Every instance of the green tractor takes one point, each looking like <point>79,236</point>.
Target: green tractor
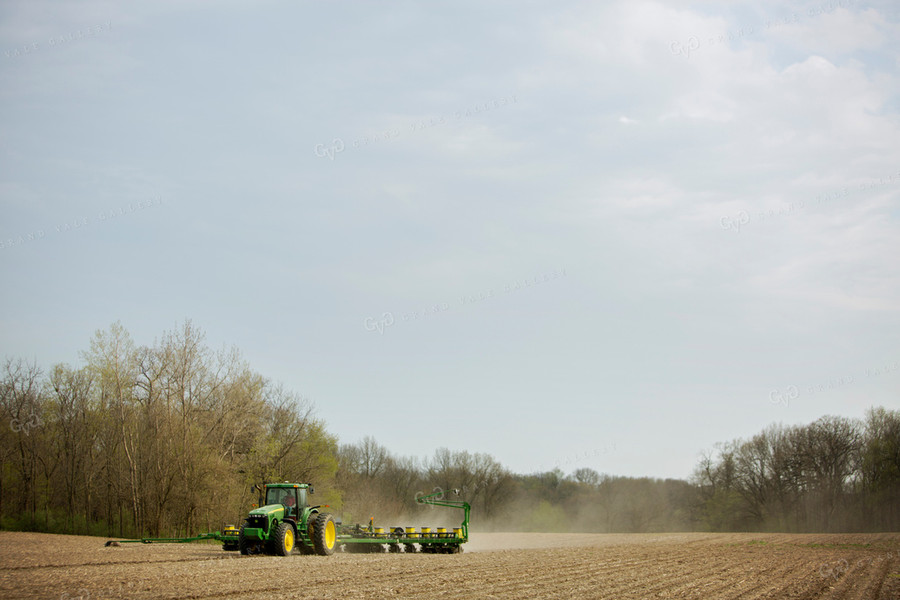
<point>285,520</point>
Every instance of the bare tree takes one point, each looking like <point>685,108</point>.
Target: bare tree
<point>21,402</point>
<point>586,476</point>
<point>74,435</point>
<point>828,447</point>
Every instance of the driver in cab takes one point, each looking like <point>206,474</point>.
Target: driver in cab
<point>288,501</point>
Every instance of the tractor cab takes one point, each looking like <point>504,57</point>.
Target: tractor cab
<point>293,498</point>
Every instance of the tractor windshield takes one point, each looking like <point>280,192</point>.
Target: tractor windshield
<point>285,496</point>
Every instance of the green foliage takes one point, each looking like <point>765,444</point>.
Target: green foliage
<point>546,517</point>
<point>722,511</point>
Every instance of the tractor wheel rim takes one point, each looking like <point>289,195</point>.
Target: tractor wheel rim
<point>329,534</point>
<point>289,540</point>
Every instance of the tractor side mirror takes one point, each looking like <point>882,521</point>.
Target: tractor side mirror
<point>311,489</point>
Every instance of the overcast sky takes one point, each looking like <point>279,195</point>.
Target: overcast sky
<point>568,234</point>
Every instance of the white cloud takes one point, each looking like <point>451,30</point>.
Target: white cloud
<point>839,32</point>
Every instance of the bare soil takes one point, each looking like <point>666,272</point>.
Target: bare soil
<point>494,565</point>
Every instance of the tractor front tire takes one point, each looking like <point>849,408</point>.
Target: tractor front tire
<point>284,539</point>
<point>243,544</point>
<point>324,534</point>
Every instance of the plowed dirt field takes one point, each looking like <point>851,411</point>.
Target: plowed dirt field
<point>494,565</point>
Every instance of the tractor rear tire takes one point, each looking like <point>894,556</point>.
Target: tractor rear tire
<point>324,534</point>
<point>284,539</point>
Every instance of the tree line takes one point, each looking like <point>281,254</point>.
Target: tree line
<point>834,474</point>
<point>149,440</point>
<point>168,439</point>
